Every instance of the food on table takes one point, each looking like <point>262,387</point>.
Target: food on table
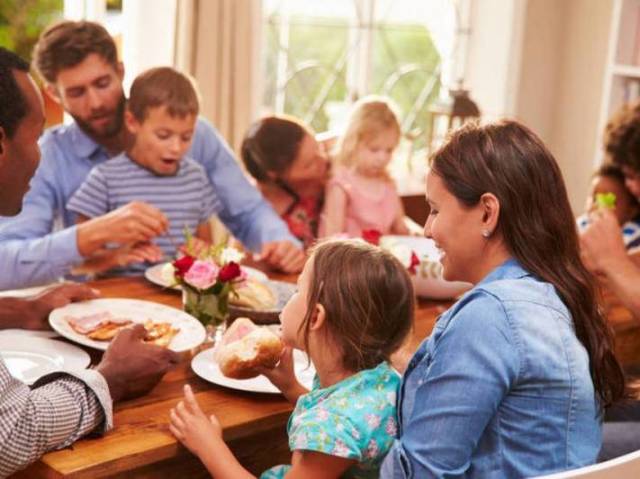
<point>100,326</point>
<point>246,347</point>
<point>253,294</point>
<point>103,327</point>
<point>159,333</point>
<point>606,200</point>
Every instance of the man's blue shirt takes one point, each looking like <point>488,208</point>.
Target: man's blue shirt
<point>39,245</point>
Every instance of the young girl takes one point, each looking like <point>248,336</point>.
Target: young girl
<point>354,307</point>
<point>291,169</point>
<point>361,195</point>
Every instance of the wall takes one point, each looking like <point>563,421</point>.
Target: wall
<point>494,44</point>
<point>560,85</point>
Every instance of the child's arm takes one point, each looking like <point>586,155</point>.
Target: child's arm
<point>203,437</point>
<point>311,465</point>
<point>284,378</point>
<point>335,209</point>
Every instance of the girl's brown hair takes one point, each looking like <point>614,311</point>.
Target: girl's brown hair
<point>271,145</point>
<point>368,298</point>
<point>536,224</point>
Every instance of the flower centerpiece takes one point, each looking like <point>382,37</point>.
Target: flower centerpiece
<point>207,276</point>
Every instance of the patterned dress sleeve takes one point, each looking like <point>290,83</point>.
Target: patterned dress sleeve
<point>325,431</point>
<point>59,410</point>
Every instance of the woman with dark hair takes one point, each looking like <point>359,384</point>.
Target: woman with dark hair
<point>513,379</point>
<point>291,170</point>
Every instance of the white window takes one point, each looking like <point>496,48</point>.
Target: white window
<point>319,57</point>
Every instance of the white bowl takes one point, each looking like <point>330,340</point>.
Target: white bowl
<point>427,281</point>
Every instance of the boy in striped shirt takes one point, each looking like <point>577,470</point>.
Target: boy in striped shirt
<point>161,116</point>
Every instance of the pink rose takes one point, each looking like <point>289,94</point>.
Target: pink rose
<point>202,274</point>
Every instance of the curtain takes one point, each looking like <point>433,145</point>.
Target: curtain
<point>218,42</point>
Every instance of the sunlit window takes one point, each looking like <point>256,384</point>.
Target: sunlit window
<point>319,57</point>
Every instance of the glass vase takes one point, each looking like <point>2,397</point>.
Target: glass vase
<point>208,308</point>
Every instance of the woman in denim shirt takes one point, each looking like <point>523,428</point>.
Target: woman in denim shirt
<point>513,378</point>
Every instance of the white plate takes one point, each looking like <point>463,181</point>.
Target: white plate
<point>21,293</point>
<point>205,366</point>
<point>31,358</point>
<point>154,275</point>
<point>427,281</point>
<point>191,334</point>
<point>28,333</point>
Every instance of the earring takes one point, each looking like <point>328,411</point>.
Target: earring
<point>486,233</point>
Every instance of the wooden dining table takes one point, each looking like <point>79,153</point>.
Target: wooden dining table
<point>141,445</point>
<point>254,424</point>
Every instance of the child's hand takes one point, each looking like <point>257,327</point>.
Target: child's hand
<point>192,427</point>
<point>283,376</point>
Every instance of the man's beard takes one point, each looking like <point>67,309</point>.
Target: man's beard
<point>111,129</point>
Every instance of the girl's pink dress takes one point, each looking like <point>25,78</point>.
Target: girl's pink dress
<point>365,210</point>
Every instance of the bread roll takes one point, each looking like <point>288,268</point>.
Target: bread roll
<point>246,347</point>
<point>255,295</point>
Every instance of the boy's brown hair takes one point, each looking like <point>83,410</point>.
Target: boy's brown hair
<point>368,298</point>
<point>163,86</point>
<point>67,44</point>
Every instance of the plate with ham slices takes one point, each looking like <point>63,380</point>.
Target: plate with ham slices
<point>94,323</point>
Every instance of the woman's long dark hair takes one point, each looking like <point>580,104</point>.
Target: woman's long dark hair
<point>536,224</point>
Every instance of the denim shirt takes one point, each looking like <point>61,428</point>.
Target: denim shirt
<point>39,245</point>
<point>500,389</point>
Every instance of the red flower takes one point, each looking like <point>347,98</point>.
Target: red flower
<point>371,236</point>
<point>182,265</point>
<point>415,261</point>
<point>229,271</point>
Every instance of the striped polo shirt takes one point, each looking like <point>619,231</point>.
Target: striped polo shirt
<point>186,198</point>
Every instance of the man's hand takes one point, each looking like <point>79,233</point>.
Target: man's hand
<point>136,222</point>
<point>602,247</point>
<point>132,367</point>
<point>36,308</point>
<point>105,260</point>
<point>282,255</point>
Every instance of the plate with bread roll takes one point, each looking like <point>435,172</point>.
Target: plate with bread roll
<point>261,301</point>
<point>244,350</point>
<point>96,322</point>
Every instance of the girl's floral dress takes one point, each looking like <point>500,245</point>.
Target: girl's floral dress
<point>354,419</point>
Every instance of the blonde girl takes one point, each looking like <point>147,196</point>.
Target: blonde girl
<point>353,309</point>
<point>361,195</point>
